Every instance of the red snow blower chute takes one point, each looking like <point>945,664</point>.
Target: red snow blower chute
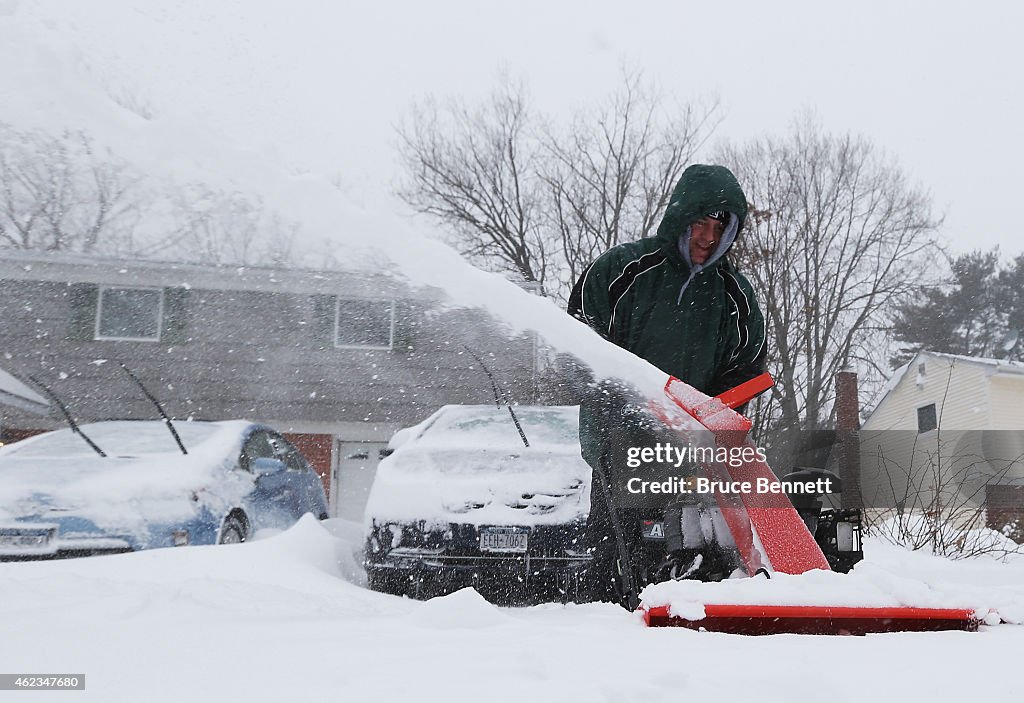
<point>769,535</point>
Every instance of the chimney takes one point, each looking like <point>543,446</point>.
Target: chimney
<point>848,436</point>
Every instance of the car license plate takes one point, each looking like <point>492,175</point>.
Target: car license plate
<point>504,539</point>
<point>26,538</point>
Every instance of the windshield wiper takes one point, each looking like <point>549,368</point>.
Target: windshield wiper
<point>71,421</point>
<point>159,408</point>
<point>497,401</point>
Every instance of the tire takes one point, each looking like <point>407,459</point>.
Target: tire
<point>232,531</point>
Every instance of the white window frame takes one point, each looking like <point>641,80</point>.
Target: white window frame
<point>391,327</point>
<point>159,315</point>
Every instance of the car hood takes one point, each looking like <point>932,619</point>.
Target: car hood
<point>481,487</point>
<point>122,493</point>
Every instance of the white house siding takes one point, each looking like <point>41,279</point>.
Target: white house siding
<point>899,465</point>
<point>978,402</point>
<point>1004,444</point>
<point>964,406</point>
<point>1007,396</point>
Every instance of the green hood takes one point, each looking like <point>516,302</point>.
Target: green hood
<point>701,190</point>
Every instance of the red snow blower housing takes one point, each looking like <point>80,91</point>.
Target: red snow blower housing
<point>770,537</point>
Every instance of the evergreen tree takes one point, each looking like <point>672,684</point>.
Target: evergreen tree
<point>1011,297</point>
<point>972,314</point>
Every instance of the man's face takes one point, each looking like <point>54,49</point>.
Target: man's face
<point>705,234</point>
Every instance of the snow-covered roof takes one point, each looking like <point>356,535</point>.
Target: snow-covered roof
<point>15,393</point>
<point>67,267</point>
<point>1000,365</point>
<point>894,380</point>
<point>70,267</point>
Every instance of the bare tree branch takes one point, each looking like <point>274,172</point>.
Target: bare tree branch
<point>836,239</point>
<point>542,203</point>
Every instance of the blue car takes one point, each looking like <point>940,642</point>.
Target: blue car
<point>60,498</point>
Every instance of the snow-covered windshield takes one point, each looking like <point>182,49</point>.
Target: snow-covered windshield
<point>118,438</point>
<point>491,427</point>
<point>469,464</point>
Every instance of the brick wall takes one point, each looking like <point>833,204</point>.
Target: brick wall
<point>317,449</point>
<point>10,434</point>
<point>1004,505</point>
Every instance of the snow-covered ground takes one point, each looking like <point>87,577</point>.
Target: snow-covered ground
<point>285,618</point>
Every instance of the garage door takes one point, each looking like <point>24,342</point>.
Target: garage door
<point>353,476</point>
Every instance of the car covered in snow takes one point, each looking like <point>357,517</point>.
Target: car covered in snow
<point>462,501</point>
<point>60,498</point>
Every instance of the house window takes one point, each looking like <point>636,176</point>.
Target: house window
<point>926,419</point>
<point>133,314</point>
<point>364,324</point>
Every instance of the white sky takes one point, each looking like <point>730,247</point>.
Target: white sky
<point>323,83</point>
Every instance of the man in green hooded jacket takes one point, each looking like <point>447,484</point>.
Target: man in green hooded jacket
<point>677,301</point>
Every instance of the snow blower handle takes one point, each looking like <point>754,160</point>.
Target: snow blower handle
<point>701,408</point>
<point>746,391</point>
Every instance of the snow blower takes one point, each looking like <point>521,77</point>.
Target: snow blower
<point>791,588</point>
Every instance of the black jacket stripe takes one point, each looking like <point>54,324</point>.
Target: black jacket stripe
<point>575,305</point>
<point>622,283</point>
<point>742,305</point>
